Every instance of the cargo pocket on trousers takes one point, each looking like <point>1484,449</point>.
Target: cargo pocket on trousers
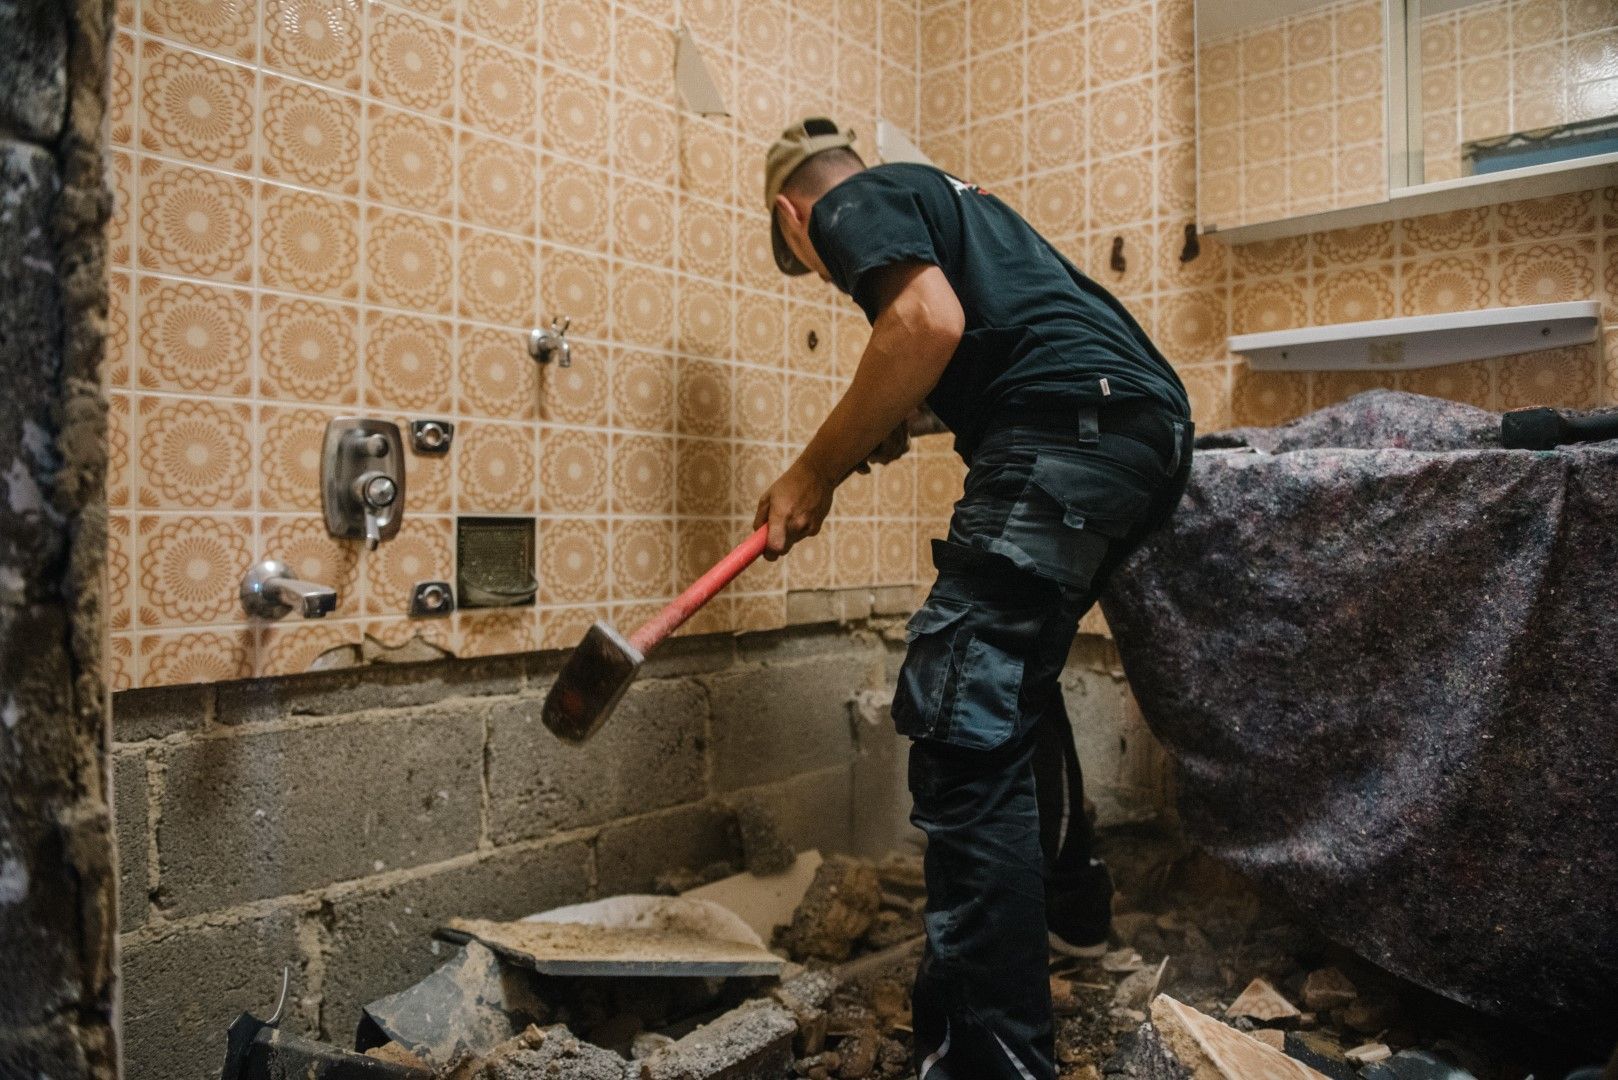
<point>1075,504</point>
<point>954,686</point>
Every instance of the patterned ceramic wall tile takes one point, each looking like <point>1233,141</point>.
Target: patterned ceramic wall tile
<point>193,338</point>
<point>327,207</point>
<point>223,28</point>
<point>315,39</point>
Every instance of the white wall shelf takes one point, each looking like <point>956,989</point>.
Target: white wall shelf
<point>1533,182</point>
<point>1419,341</point>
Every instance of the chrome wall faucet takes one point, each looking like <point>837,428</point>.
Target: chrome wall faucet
<point>363,479</point>
<point>269,591</point>
<point>550,343</point>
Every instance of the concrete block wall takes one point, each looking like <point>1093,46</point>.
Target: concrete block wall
<point>332,821</point>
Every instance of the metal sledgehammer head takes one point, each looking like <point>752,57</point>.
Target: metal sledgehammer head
<point>590,683</point>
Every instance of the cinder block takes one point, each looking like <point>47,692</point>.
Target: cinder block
<point>159,711</point>
<point>130,818</point>
<point>750,1042</point>
<point>778,720</point>
<point>630,855</point>
<point>266,814</point>
<point>893,600</point>
<point>808,606</point>
<point>380,940</point>
<point>374,686</point>
<point>854,605</point>
<point>182,990</point>
<point>648,755</point>
<point>694,655</point>
<point>814,810</point>
<point>802,642</point>
<point>880,777</point>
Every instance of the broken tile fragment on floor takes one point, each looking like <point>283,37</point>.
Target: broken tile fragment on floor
<point>1209,1050</point>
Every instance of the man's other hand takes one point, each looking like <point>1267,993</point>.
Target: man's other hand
<point>892,448</point>
<point>793,507</point>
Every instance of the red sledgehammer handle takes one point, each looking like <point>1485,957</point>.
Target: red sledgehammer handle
<point>685,605</point>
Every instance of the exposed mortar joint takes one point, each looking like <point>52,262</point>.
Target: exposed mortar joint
<point>485,797</point>
<point>155,776</point>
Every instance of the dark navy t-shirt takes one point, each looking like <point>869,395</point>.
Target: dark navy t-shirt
<point>1040,336</point>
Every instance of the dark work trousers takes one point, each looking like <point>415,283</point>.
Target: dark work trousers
<point>1048,512</point>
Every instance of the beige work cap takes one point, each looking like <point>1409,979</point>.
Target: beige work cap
<point>796,145</point>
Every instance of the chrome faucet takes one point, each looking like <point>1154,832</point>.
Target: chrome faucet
<point>269,591</point>
<point>550,343</point>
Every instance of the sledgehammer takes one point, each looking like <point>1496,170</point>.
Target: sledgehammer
<point>605,662</point>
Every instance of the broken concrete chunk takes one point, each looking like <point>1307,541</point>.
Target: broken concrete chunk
<point>890,928</point>
<point>1263,1003</point>
<point>1368,1054</point>
<point>648,1043</point>
<point>902,874</point>
<point>764,850</point>
<point>465,1008</point>
<point>857,1054</point>
<point>1326,989</point>
<point>1209,1050</point>
<point>1136,989</point>
<point>750,1042</point>
<point>838,909</point>
<point>548,1054</point>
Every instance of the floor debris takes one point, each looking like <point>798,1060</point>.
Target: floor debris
<point>466,1008</point>
<point>1205,981</point>
<point>1262,1002</point>
<point>764,850</point>
<point>838,909</point>
<point>1209,1050</point>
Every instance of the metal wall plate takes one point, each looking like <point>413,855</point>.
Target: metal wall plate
<point>431,436</point>
<point>363,479</point>
<point>432,600</point>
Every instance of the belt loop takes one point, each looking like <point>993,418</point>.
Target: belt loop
<point>1089,426</point>
<point>1179,447</point>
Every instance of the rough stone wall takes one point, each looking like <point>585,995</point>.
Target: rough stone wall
<point>56,860</point>
<point>331,821</point>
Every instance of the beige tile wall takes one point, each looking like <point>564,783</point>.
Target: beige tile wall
<point>1293,116</point>
<point>329,206</point>
<point>1502,66</point>
<point>325,208</point>
<point>1095,141</point>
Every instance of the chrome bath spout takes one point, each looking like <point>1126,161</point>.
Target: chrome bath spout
<point>269,591</point>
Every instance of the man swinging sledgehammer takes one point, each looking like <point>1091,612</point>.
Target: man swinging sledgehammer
<point>1077,439</point>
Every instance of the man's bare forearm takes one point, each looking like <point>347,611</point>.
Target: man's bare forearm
<point>911,344</point>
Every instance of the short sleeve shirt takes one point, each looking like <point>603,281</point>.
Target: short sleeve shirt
<point>1040,336</point>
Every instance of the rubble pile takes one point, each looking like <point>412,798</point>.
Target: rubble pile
<point>1205,980</point>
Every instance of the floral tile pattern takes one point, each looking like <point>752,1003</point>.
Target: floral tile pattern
<point>339,207</point>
